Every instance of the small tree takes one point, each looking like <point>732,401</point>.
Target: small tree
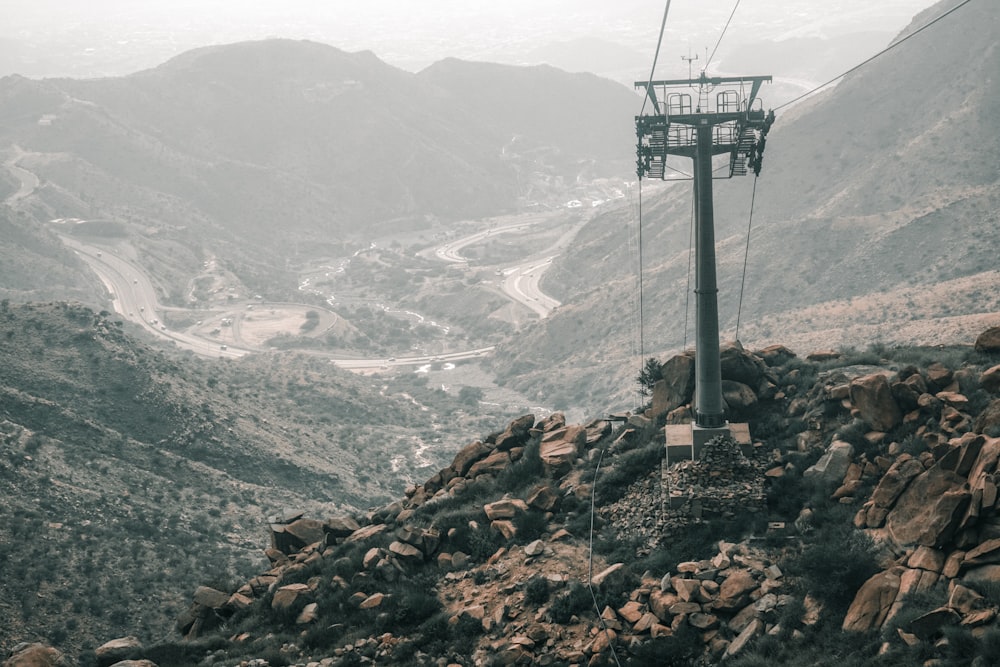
<point>651,373</point>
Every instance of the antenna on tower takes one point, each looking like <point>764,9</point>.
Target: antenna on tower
<point>689,59</point>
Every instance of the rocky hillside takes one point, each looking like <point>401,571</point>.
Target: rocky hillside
<point>859,527</point>
<point>126,473</point>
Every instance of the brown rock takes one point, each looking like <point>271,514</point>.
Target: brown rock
<point>989,340</point>
<point>660,602</point>
<point>686,588</point>
<point>733,591</point>
<point>939,375</point>
<point>495,463</point>
<point>990,379</point>
<point>516,433</point>
<point>209,597</point>
<point>632,611</point>
<point>117,650</point>
<point>406,552</point>
<point>367,532</point>
<point>754,628</point>
<point>286,596</point>
<point>873,398</point>
<point>308,614</point>
<point>340,527</point>
<point>35,655</point>
<point>560,448</point>
<point>986,553</point>
<point>305,532</point>
<point>873,601</point>
<point>467,456</point>
<point>646,623</point>
<point>505,528</point>
<point>738,396</point>
<point>929,625</point>
<point>677,386</point>
<point>506,508</point>
<point>372,601</point>
<point>612,576</point>
<point>703,621</point>
<point>926,558</point>
<point>543,498</point>
<point>929,509</point>
<point>988,421</point>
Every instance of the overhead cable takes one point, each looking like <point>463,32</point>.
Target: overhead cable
<point>880,53</point>
<point>656,55</point>
<point>726,27</point>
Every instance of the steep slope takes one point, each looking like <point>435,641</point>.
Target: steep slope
<point>126,473</point>
<point>859,528</point>
<point>883,184</point>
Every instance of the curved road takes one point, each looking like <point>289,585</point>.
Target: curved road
<point>520,282</point>
<point>135,300</point>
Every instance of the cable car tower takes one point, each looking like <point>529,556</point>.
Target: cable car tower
<point>699,119</point>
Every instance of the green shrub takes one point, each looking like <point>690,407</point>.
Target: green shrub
<point>536,591</point>
<point>571,602</point>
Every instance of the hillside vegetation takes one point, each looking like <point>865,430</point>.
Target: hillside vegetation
<point>128,472</point>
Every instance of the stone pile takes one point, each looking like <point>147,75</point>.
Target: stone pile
<point>722,483</point>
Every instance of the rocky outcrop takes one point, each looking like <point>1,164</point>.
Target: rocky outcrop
<point>989,340</point>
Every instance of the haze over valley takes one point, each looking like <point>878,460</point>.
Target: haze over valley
<point>275,262</point>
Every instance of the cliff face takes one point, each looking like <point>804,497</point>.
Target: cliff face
<point>545,543</point>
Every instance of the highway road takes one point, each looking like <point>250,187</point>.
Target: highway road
<point>134,299</point>
<point>521,282</point>
<point>28,181</point>
<point>451,251</point>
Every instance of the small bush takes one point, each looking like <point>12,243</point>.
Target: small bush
<point>571,602</point>
<point>536,591</point>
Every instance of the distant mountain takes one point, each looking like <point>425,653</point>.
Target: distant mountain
<point>292,144</point>
<point>874,197</point>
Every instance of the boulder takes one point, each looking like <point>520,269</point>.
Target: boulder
<point>208,597</point>
<point>754,628</point>
<point>677,386</point>
<point>873,601</point>
<point>560,448</point>
<point>305,532</point>
<point>738,396</point>
<point>35,655</point>
<point>340,526</point>
<point>469,455</point>
<point>543,498</point>
<point>929,510</point>
<point>775,355</point>
<point>990,379</point>
<point>286,596</point>
<point>505,508</point>
<point>406,552</point>
<point>928,625</point>
<point>988,421</point>
<point>117,650</point>
<point>494,463</point>
<point>833,465</point>
<point>734,590</point>
<point>873,398</point>
<point>989,340</point>
<point>738,365</point>
<point>516,433</point>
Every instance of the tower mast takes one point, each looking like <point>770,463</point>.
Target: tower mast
<point>730,122</point>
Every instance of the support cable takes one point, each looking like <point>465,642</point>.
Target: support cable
<point>880,53</point>
<point>656,55</point>
<point>733,13</point>
<point>590,565</point>
<point>687,288</point>
<point>642,332</point>
<point>746,254</point>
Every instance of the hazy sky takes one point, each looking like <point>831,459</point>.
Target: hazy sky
<point>114,37</point>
